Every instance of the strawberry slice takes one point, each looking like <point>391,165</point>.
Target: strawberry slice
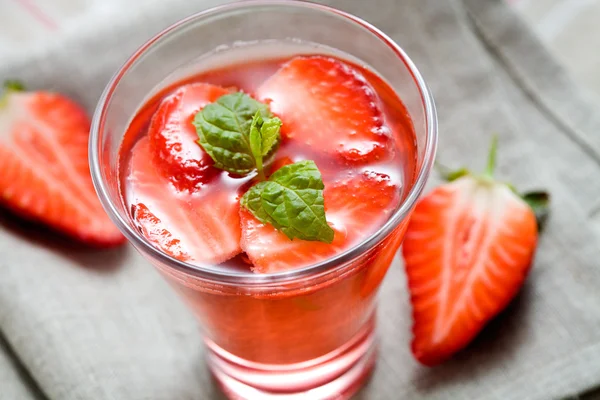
<point>323,101</point>
<point>156,232</point>
<point>173,138</point>
<point>201,227</point>
<point>467,250</point>
<point>279,163</point>
<point>44,162</point>
<point>355,207</point>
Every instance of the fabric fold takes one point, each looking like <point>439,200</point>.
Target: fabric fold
<point>15,383</point>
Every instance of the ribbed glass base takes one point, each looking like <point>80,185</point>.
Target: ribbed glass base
<point>337,375</point>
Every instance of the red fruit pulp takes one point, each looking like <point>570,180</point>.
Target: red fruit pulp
<point>258,327</point>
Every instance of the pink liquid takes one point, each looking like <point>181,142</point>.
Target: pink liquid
<point>305,325</point>
<point>248,77</point>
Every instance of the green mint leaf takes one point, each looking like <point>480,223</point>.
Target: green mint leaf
<point>256,143</point>
<point>270,135</point>
<point>13,85</point>
<point>224,131</point>
<point>264,139</point>
<point>292,201</point>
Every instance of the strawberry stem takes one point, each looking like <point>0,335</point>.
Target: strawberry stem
<point>491,162</point>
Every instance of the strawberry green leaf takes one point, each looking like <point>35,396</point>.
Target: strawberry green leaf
<point>454,175</point>
<point>449,174</point>
<point>540,204</point>
<point>13,85</point>
<point>292,201</point>
<point>224,131</point>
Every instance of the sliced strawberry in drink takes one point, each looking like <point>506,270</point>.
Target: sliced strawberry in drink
<point>279,163</point>
<point>354,208</point>
<point>327,104</point>
<point>173,138</point>
<point>202,227</point>
<point>270,250</point>
<point>156,232</point>
<point>44,170</point>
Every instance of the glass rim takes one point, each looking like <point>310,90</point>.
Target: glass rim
<point>328,265</point>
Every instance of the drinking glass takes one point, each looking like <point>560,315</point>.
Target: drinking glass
<point>305,333</point>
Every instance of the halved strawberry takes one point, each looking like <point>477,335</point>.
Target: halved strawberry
<point>203,226</point>
<point>45,174</point>
<point>355,207</point>
<point>173,138</point>
<point>326,103</point>
<point>468,248</point>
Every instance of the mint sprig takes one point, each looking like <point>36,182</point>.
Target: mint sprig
<point>264,139</point>
<point>240,134</point>
<point>292,201</point>
<point>224,128</point>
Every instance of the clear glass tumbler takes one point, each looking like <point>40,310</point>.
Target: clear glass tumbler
<point>306,333</point>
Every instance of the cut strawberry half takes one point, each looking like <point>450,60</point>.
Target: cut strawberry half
<point>173,137</point>
<point>201,227</point>
<point>355,208</point>
<point>326,103</point>
<point>467,250</point>
<point>44,162</point>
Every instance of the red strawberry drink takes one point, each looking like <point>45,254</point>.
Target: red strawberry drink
<point>267,185</point>
<point>351,150</point>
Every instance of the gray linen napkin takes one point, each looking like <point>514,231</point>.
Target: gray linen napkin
<point>103,325</point>
<point>15,382</point>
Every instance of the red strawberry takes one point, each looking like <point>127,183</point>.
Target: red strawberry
<point>174,139</point>
<point>203,226</point>
<point>355,208</point>
<point>468,248</point>
<point>324,102</point>
<point>156,232</point>
<point>44,162</point>
<point>279,163</point>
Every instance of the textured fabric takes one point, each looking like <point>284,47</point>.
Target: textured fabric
<point>14,380</point>
<point>570,29</point>
<point>104,325</point>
